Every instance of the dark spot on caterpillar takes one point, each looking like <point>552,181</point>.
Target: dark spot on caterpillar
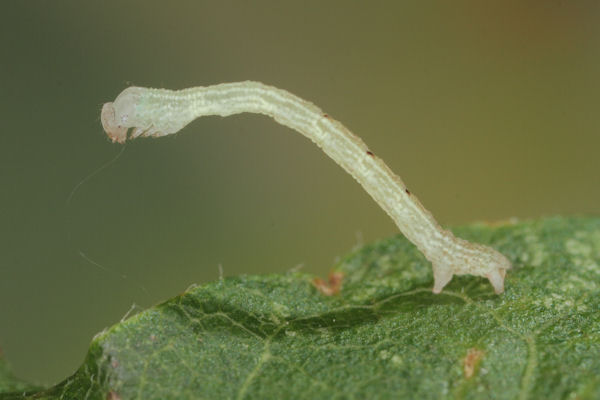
<point>325,115</point>
<point>407,191</point>
<point>369,153</point>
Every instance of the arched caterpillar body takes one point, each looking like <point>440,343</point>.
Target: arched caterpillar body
<point>160,112</point>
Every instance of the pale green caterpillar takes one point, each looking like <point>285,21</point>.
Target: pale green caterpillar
<point>160,112</point>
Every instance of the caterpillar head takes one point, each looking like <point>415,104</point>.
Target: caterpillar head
<point>119,116</point>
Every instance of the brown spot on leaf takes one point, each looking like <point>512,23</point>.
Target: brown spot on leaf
<point>325,115</point>
<point>370,153</point>
<point>332,286</point>
<point>407,191</point>
<point>112,395</point>
<point>471,361</point>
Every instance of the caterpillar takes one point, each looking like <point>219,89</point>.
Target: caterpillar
<point>141,111</point>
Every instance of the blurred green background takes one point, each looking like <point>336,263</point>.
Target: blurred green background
<point>488,110</point>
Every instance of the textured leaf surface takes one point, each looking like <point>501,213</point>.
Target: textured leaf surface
<point>385,336</point>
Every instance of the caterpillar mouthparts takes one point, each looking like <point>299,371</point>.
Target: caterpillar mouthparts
<point>114,131</point>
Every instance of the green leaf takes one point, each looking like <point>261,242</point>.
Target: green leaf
<point>385,336</point>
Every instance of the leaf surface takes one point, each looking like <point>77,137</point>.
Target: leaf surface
<point>384,336</point>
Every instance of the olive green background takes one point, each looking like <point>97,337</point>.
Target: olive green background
<point>488,110</point>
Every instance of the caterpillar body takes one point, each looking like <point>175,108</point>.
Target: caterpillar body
<point>141,111</point>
